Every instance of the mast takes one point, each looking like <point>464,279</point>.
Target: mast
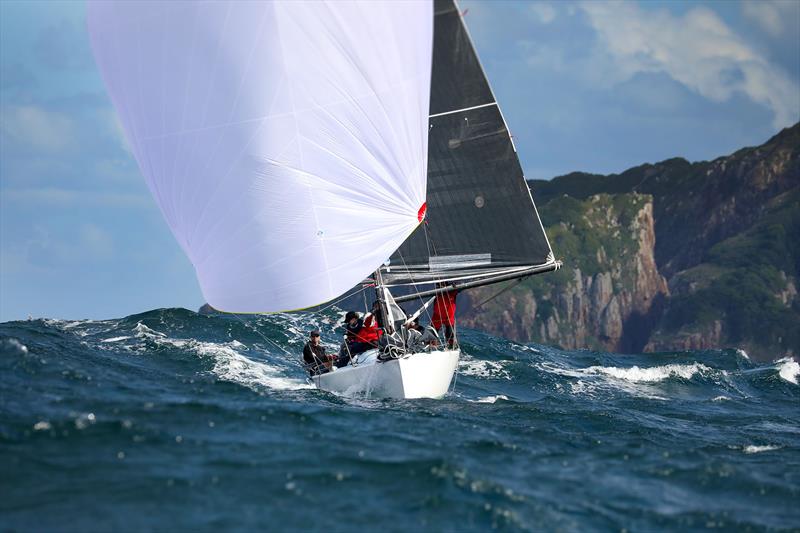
<point>380,296</point>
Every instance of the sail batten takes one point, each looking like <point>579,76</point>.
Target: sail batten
<point>459,110</point>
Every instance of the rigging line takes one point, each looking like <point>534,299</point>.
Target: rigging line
<point>422,301</point>
<point>427,240</point>
<point>346,296</point>
<point>498,293</point>
<point>455,378</point>
<point>284,350</point>
<point>432,243</point>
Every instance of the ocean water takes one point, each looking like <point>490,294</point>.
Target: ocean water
<point>172,420</point>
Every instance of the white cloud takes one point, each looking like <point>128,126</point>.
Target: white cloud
<point>45,130</point>
<point>543,11</point>
<point>769,15</point>
<point>697,49</point>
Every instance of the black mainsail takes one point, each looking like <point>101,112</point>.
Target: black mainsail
<point>481,222</point>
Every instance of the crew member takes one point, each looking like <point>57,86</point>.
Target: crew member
<point>444,314</point>
<point>361,335</point>
<point>420,339</point>
<point>314,356</point>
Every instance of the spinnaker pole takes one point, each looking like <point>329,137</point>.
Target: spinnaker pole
<point>540,269</point>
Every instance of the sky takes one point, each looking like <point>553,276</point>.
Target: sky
<point>591,86</point>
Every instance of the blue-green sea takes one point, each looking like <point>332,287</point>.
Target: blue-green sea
<point>173,421</point>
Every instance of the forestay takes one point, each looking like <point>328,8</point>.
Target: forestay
<point>481,219</point>
<point>284,142</point>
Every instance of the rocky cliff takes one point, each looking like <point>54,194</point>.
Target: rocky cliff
<point>666,256</point>
<point>607,295</point>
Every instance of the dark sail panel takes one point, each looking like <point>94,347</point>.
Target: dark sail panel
<point>480,218</point>
<point>454,83</point>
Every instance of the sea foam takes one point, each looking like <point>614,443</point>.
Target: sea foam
<point>482,369</point>
<point>635,380</point>
<point>229,364</point>
<point>751,448</point>
<point>654,374</point>
<point>788,369</point>
<point>491,399</point>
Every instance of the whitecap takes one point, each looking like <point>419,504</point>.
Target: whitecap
<point>491,399</point>
<point>751,448</point>
<point>720,399</point>
<point>653,374</point>
<point>632,380</point>
<point>143,331</point>
<point>116,339</point>
<point>788,369</point>
<point>482,369</point>
<point>42,425</point>
<point>69,325</point>
<point>742,353</point>
<point>230,365</point>
<point>632,374</point>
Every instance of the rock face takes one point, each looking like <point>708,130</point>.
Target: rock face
<point>606,302</point>
<point>669,256</point>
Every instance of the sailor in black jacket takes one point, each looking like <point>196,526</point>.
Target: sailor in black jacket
<point>314,356</point>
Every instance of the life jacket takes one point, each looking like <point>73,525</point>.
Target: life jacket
<point>444,309</point>
<point>369,332</point>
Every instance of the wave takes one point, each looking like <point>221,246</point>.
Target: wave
<point>229,364</point>
<point>218,405</point>
<point>788,369</point>
<point>655,374</point>
<point>263,352</point>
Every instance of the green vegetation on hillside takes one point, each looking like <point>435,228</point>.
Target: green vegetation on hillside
<point>741,281</point>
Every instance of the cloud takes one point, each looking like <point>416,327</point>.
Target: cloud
<point>543,12</point>
<point>697,49</point>
<point>769,15</point>
<point>49,131</point>
<point>63,46</point>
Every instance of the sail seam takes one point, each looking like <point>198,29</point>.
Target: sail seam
<point>462,109</point>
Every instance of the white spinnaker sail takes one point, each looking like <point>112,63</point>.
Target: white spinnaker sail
<point>285,142</point>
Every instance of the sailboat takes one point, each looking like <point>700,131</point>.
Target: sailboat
<point>298,149</point>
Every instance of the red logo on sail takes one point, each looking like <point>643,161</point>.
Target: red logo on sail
<point>422,210</point>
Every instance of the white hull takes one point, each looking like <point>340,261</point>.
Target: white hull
<point>418,375</point>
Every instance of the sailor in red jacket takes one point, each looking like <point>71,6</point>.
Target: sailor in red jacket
<point>444,315</point>
<point>361,335</point>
